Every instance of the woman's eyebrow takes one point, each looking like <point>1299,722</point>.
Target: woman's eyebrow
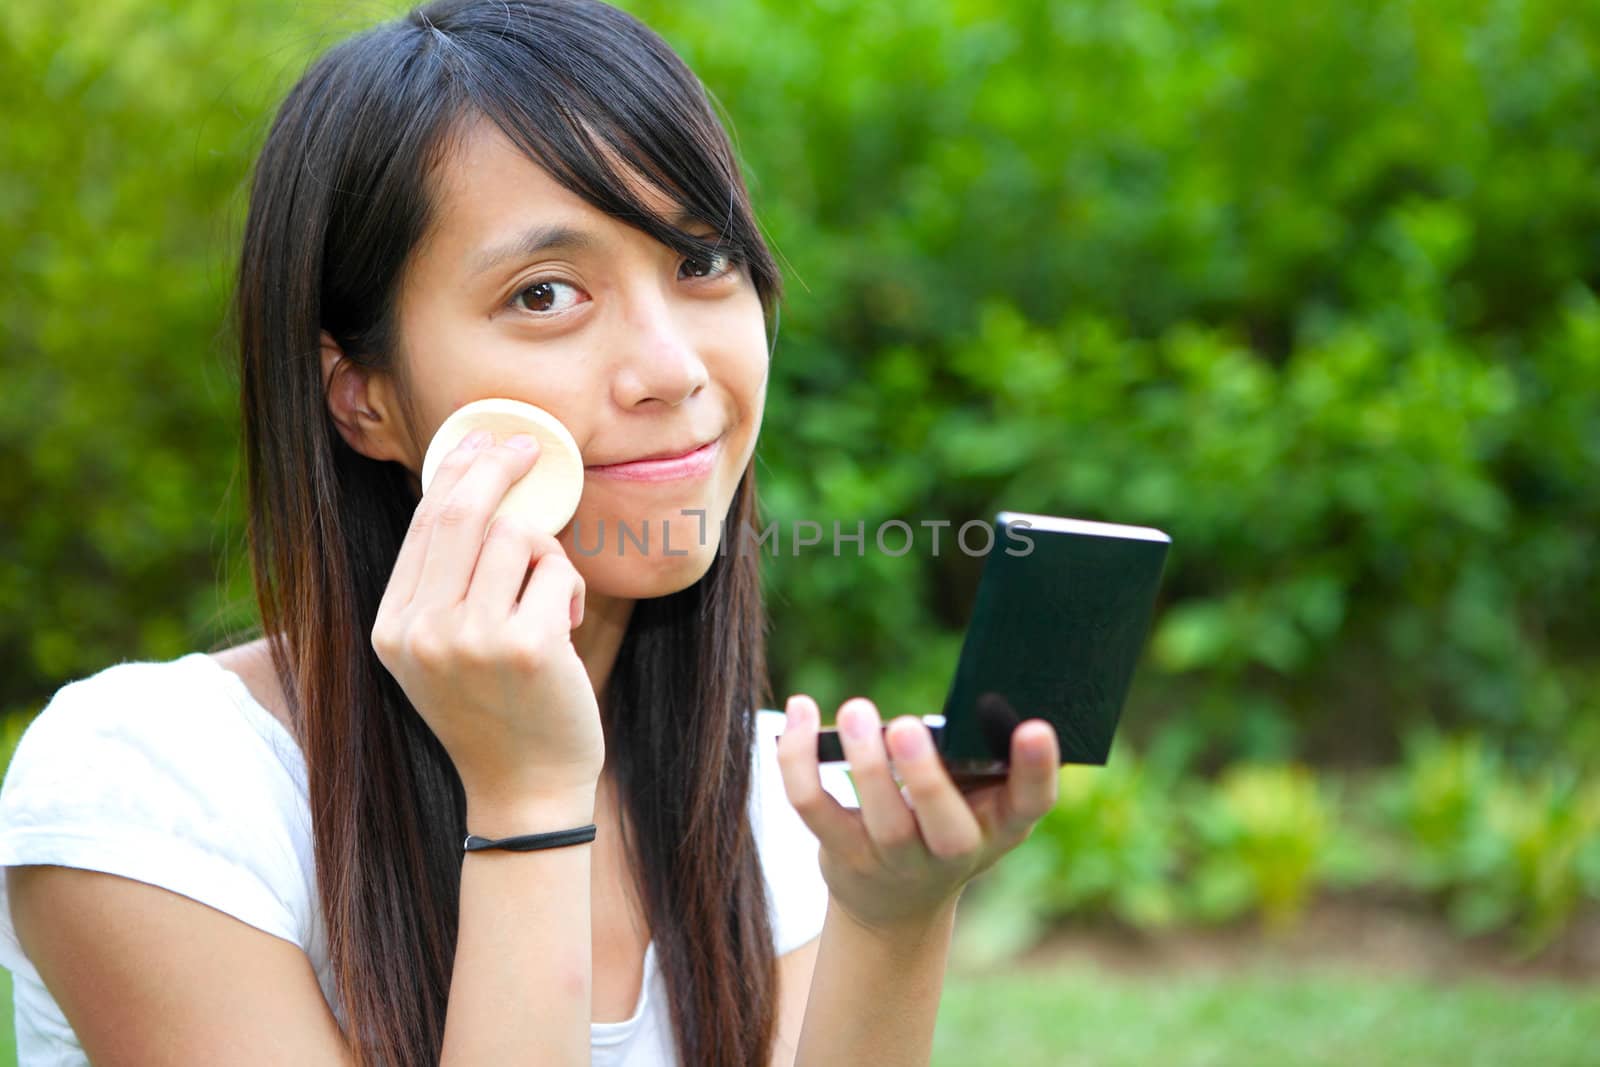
<point>552,237</point>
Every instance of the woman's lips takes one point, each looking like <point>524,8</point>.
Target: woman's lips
<point>695,464</point>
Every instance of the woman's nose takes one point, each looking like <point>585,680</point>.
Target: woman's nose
<point>660,361</point>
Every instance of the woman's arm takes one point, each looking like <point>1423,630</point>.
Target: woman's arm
<point>521,987</point>
<point>895,869</point>
<point>874,997</point>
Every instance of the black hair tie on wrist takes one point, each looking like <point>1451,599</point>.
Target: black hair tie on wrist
<point>528,842</point>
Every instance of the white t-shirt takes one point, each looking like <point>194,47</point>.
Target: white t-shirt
<point>171,773</point>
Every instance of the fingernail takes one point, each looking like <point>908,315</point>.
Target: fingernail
<point>908,742</point>
<point>523,442</point>
<point>1039,751</point>
<point>853,722</point>
<point>476,440</point>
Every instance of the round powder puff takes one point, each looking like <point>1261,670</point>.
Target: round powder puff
<point>547,496</point>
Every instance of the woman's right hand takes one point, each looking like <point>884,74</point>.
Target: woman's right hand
<point>496,678</point>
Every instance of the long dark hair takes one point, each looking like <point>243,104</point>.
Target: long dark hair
<point>340,197</point>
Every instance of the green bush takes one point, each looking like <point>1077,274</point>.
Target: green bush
<point>1439,801</point>
<point>1261,832</point>
<point>1108,849</point>
<point>1309,285</point>
<point>1496,848</point>
<point>1114,837</point>
<point>1551,828</point>
<point>1150,843</point>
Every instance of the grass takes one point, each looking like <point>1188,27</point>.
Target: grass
<point>1081,1016</point>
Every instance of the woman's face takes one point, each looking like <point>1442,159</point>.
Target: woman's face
<point>638,350</point>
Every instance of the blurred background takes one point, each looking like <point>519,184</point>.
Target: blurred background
<point>1310,286</point>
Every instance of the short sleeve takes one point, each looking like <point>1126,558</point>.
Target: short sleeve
<point>796,892</point>
<point>140,771</point>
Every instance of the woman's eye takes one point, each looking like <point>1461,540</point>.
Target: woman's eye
<point>544,297</point>
<point>719,264</point>
<point>541,298</point>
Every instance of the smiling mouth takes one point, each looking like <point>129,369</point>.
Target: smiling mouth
<point>694,463</point>
<point>658,456</point>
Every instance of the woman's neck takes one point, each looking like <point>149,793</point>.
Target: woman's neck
<point>599,638</point>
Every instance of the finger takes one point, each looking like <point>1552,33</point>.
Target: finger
<point>889,822</point>
<point>464,516</point>
<point>503,564</point>
<point>1035,776</point>
<point>414,548</point>
<point>947,824</point>
<point>837,828</point>
<point>1031,787</point>
<point>555,588</point>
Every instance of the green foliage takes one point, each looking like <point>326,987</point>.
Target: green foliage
<point>1551,830</point>
<point>1148,844</point>
<point>1108,848</point>
<point>1498,848</point>
<point>12,727</point>
<point>1114,840</point>
<point>1308,285</point>
<point>128,141</point>
<point>1439,799</point>
<point>1262,832</point>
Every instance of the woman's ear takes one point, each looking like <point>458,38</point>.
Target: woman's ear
<point>364,406</point>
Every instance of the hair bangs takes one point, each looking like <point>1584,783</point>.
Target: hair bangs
<point>571,93</point>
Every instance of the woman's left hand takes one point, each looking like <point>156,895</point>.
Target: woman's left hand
<point>901,860</point>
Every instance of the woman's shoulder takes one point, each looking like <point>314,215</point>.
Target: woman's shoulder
<point>189,714</point>
<point>158,739</point>
<point>250,665</point>
<point>156,771</point>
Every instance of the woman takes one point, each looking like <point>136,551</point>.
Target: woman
<point>530,200</point>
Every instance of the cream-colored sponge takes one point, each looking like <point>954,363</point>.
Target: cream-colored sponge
<point>547,496</point>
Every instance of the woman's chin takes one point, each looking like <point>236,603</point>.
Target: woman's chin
<point>646,558</point>
<point>640,576</point>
